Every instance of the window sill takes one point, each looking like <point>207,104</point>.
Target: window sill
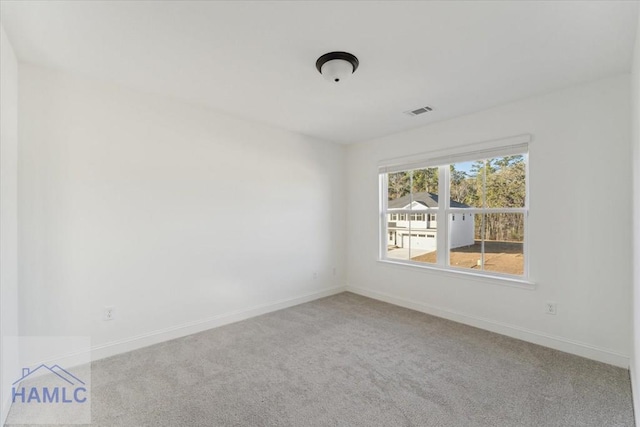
<point>513,282</point>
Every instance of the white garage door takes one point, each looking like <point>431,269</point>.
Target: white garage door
<point>420,241</point>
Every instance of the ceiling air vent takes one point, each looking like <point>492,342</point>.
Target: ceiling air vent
<point>418,111</point>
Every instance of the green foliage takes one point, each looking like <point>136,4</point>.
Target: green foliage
<point>425,180</point>
<point>415,181</point>
<point>498,183</point>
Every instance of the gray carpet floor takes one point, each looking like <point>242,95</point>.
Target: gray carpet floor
<point>347,360</point>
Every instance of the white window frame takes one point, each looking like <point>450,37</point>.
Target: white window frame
<point>442,159</point>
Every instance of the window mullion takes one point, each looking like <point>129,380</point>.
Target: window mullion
<point>483,229</point>
<point>442,254</point>
<point>383,229</point>
<point>525,245</point>
<point>410,222</point>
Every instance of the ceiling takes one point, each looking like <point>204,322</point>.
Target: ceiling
<point>256,60</point>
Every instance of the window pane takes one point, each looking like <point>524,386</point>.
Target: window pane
<point>398,185</point>
<point>466,184</point>
<point>503,243</point>
<point>397,246</point>
<point>423,238</point>
<point>497,242</point>
<point>465,241</point>
<point>424,186</point>
<point>505,187</point>
<point>397,224</point>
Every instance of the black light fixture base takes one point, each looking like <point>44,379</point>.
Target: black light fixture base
<point>337,55</point>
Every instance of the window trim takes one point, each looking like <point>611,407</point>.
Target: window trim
<point>462,153</point>
<point>488,149</point>
<point>456,272</point>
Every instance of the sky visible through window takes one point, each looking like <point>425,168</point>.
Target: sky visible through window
<point>464,167</point>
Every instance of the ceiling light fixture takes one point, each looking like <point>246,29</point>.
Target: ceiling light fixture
<point>337,66</point>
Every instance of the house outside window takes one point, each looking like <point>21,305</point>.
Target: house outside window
<point>485,188</point>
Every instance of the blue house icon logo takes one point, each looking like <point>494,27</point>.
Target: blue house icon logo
<point>70,389</point>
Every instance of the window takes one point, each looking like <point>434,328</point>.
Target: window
<point>485,188</point>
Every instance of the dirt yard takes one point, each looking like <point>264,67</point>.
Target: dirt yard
<point>503,257</point>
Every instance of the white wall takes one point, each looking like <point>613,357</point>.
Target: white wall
<point>179,217</point>
<point>580,182</point>
<point>9,363</point>
<point>635,141</point>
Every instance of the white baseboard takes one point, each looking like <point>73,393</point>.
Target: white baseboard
<point>6,405</point>
<point>158,336</point>
<point>635,392</point>
<point>558,343</point>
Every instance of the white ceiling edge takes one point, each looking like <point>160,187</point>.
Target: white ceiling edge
<point>241,59</point>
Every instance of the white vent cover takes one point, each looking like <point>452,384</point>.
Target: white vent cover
<point>418,111</point>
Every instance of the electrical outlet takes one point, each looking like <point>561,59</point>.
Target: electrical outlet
<point>109,313</point>
<point>315,275</point>
<point>551,308</point>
